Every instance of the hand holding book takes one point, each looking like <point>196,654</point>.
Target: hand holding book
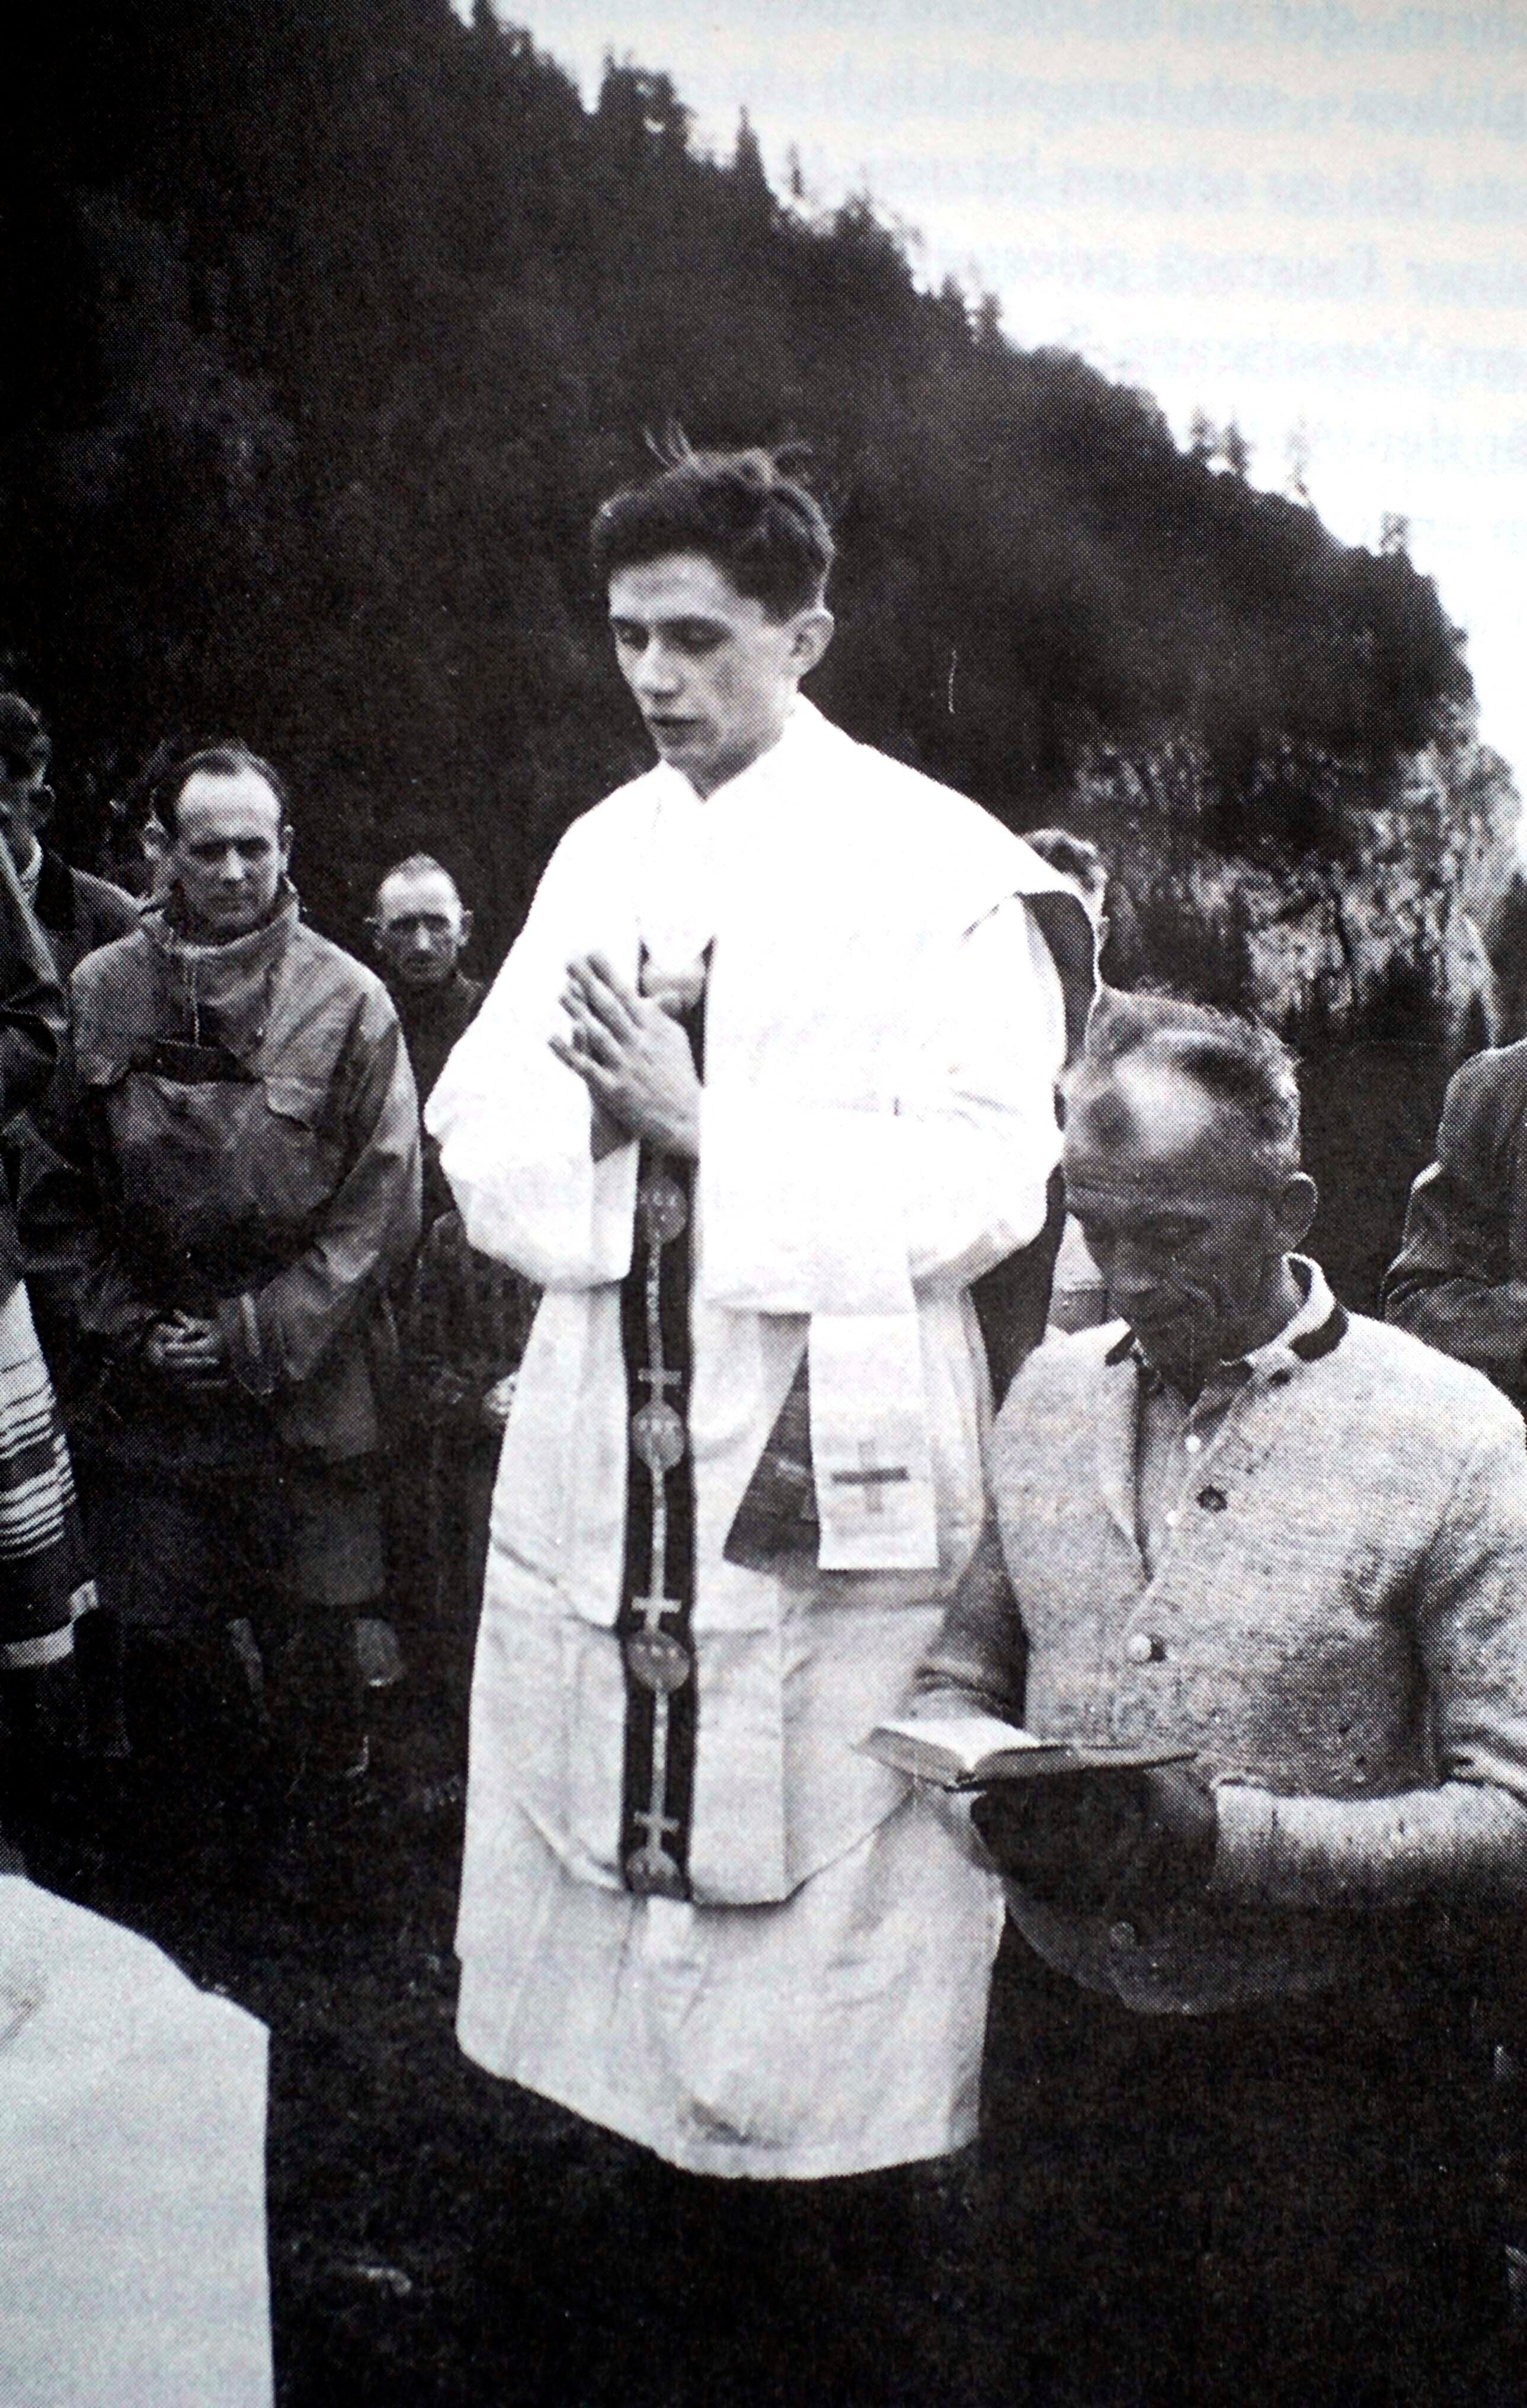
<point>1106,1839</point>
<point>1087,1827</point>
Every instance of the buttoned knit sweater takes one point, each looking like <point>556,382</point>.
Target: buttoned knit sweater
<point>1336,1625</point>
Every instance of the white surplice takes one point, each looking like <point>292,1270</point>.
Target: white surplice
<point>883,1029</point>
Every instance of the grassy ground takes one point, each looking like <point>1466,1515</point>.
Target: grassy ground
<point>441,2240</point>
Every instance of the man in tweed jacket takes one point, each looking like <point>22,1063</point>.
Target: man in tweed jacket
<point>1296,1544</point>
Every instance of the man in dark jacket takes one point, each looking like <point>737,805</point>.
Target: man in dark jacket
<point>213,1208</point>
<point>77,912</point>
<point>420,928</point>
<point>419,931</point>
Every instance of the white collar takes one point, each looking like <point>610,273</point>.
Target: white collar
<point>28,879</point>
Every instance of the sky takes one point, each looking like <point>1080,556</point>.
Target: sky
<point>1308,216</point>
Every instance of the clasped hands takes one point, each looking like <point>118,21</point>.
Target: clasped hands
<point>633,1057</point>
<point>1099,1841</point>
<point>188,1350</point>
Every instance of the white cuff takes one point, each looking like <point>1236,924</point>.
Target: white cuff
<point>30,1655</point>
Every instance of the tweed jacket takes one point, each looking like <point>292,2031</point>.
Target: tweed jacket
<point>1459,1279</point>
<point>1337,1627</point>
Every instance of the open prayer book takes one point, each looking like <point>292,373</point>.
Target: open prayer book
<point>968,1751</point>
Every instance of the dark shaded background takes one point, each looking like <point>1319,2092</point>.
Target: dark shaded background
<point>328,328</point>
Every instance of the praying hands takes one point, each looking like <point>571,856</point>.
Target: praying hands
<point>187,1349</point>
<point>634,1059</point>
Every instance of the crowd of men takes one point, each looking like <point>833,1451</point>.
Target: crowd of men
<point>220,1195</point>
<point>766,1086</point>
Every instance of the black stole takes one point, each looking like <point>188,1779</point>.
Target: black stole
<point>657,1589</point>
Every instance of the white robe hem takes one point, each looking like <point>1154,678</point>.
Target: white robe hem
<point>737,2160</point>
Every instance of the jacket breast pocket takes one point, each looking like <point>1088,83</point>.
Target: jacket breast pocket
<point>296,1095</point>
<point>292,1158</point>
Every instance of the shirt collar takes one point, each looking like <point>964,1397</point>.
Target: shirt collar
<point>1318,1324</point>
<point>27,878</point>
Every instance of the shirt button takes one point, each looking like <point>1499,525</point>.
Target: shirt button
<point>1192,1442</point>
<point>1171,1520</point>
<point>1122,1936</point>
<point>1141,1647</point>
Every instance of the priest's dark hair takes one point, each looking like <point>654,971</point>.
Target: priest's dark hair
<point>738,509</point>
<point>1234,1060</point>
<point>229,759</point>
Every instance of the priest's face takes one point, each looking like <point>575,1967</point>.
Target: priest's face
<point>713,674</point>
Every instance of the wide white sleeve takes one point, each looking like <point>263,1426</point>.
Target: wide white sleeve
<point>818,1208</point>
<point>512,1122</point>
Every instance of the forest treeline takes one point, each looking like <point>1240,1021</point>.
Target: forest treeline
<point>329,325</point>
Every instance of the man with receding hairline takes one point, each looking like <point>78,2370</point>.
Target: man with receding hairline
<point>213,1207</point>
<point>1293,1544</point>
<point>419,929</point>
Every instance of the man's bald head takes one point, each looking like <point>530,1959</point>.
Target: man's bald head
<point>1170,1077</point>
<point>1181,1160</point>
